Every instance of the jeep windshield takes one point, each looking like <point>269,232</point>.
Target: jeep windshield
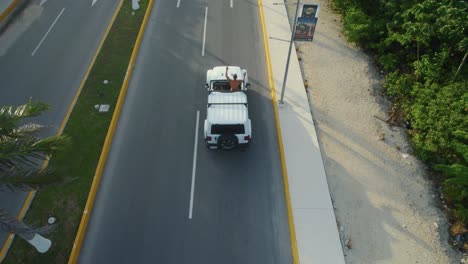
<point>227,129</point>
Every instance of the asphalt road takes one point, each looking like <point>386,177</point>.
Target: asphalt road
<point>141,213</point>
<point>53,74</point>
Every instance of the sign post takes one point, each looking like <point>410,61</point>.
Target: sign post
<point>303,29</point>
<point>281,101</point>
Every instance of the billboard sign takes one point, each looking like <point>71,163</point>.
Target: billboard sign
<point>306,23</point>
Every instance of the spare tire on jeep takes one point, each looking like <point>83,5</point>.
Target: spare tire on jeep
<point>228,141</point>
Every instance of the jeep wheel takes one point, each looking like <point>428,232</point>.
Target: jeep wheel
<point>228,141</point>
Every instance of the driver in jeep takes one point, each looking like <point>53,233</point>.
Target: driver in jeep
<point>234,83</point>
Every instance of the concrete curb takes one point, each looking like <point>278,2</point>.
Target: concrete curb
<point>108,141</point>
<point>10,12</point>
<point>9,9</point>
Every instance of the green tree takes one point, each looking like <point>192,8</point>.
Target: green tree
<point>423,45</point>
<point>456,182</point>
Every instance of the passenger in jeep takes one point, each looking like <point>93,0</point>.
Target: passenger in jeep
<point>235,84</point>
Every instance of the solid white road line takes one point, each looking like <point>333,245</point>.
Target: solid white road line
<point>194,166</point>
<point>232,4</point>
<point>94,1</point>
<point>178,3</point>
<point>42,2</point>
<point>204,32</point>
<point>43,38</point>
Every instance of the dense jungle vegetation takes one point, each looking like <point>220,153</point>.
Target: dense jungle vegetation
<point>422,46</point>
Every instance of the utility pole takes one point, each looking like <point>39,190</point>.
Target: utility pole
<point>281,101</point>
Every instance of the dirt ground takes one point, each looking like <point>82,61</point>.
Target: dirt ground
<point>383,201</point>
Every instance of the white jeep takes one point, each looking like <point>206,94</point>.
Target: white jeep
<point>227,123</point>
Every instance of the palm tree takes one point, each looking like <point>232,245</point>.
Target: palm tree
<point>21,153</point>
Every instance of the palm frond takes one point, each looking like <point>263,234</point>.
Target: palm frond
<point>28,150</point>
<point>20,151</point>
<point>11,224</point>
<point>50,145</point>
<point>29,129</point>
<point>24,179</point>
<point>31,108</point>
<point>11,115</point>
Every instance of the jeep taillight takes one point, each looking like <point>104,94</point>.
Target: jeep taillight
<point>208,138</point>
<point>246,137</point>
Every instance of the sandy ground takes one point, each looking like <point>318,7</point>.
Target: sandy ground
<point>383,200</point>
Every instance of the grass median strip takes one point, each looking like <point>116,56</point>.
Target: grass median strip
<point>87,128</point>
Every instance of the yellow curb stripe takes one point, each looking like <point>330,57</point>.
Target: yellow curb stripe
<point>8,10</point>
<point>292,229</point>
<point>31,194</point>
<point>107,144</point>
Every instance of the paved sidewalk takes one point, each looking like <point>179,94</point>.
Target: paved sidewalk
<point>314,219</point>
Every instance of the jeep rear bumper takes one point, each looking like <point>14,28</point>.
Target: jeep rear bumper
<point>239,146</point>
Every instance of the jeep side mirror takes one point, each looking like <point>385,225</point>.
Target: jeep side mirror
<point>207,86</point>
<point>247,85</point>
